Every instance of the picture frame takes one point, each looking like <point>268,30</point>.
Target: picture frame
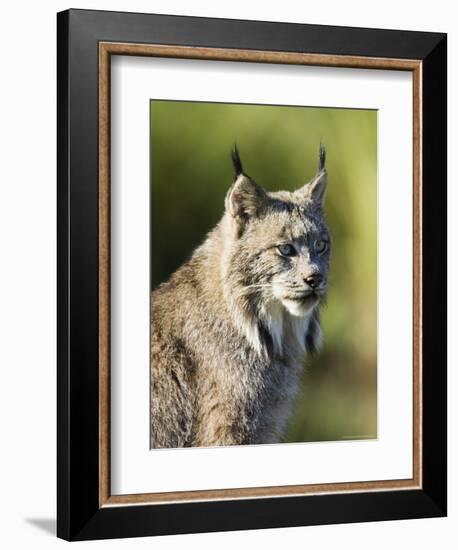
<point>86,42</point>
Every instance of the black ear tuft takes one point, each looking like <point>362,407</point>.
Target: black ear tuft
<point>322,156</point>
<point>236,161</point>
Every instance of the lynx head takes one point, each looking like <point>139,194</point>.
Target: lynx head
<point>280,244</point>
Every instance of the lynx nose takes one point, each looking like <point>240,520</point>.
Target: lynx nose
<point>314,280</point>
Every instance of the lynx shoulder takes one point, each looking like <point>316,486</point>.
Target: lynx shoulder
<point>231,327</point>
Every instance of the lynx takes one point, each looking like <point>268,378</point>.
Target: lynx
<point>231,327</point>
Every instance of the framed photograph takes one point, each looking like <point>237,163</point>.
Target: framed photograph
<point>251,274</point>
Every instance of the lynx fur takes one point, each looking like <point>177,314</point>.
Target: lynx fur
<point>231,327</point>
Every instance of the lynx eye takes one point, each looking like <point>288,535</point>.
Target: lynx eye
<point>320,246</point>
<point>286,250</point>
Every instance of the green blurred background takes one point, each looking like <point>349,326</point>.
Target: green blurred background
<point>191,172</point>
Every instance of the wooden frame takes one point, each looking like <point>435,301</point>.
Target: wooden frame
<point>84,350</point>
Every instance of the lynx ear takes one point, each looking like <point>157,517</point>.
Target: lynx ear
<point>245,198</point>
<point>314,190</point>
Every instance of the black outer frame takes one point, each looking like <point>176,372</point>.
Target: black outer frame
<point>78,514</point>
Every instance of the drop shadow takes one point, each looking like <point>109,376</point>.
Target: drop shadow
<point>48,525</point>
